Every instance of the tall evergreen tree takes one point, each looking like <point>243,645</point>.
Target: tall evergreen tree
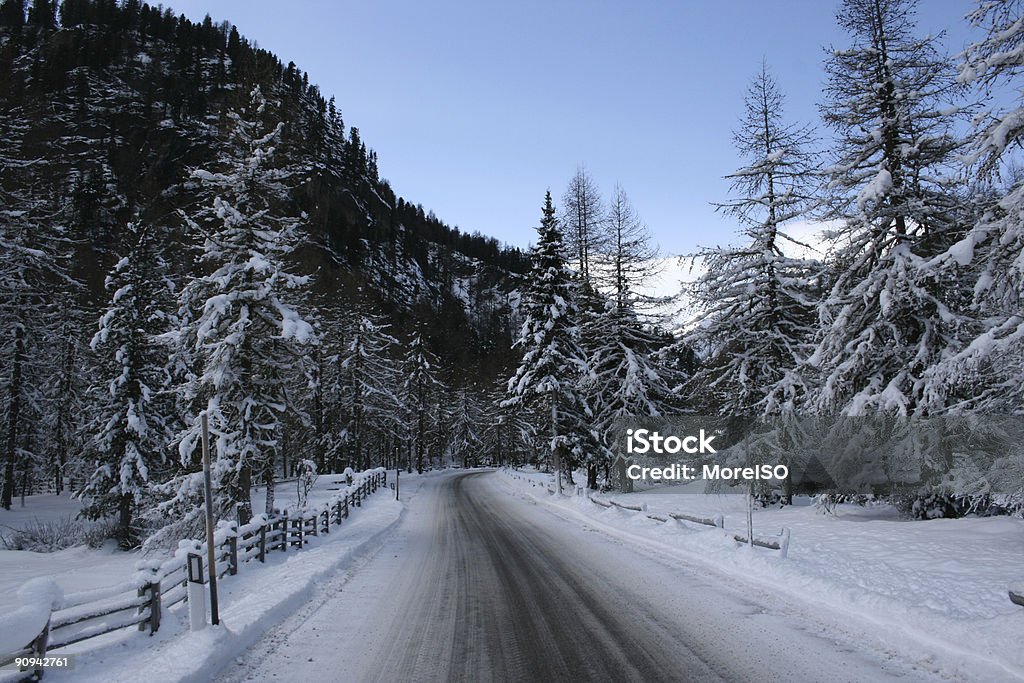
<point>370,401</point>
<point>885,320</point>
<point>548,376</point>
<point>626,378</point>
<point>985,373</point>
<point>240,323</point>
<point>420,387</point>
<point>132,430</point>
<point>583,220</point>
<point>755,303</point>
<point>33,265</point>
<point>627,258</point>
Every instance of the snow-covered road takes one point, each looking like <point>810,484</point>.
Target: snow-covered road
<point>476,584</point>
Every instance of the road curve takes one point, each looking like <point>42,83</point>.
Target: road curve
<point>478,585</point>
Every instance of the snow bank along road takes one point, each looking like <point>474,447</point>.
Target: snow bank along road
<point>476,584</point>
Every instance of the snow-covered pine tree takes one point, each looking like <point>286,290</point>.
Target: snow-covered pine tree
<point>984,374</point>
<point>420,389</point>
<point>755,303</point>
<point>240,324</point>
<point>885,319</point>
<point>34,250</point>
<point>583,218</point>
<point>132,431</point>
<point>70,400</point>
<point>508,436</point>
<point>626,378</point>
<point>548,377</point>
<point>467,422</point>
<point>369,402</point>
<point>988,64</point>
<point>627,258</point>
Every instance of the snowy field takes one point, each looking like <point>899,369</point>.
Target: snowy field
<point>74,569</point>
<point>938,582</point>
<point>259,595</point>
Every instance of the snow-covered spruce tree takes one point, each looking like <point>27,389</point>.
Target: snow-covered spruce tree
<point>369,400</point>
<point>132,433</point>
<point>626,378</point>
<point>34,250</point>
<point>240,325</point>
<point>984,374</point>
<point>627,258</point>
<point>420,388</point>
<point>467,420</point>
<point>71,408</point>
<point>885,318</point>
<point>583,218</point>
<point>548,377</point>
<point>755,303</point>
<point>508,435</point>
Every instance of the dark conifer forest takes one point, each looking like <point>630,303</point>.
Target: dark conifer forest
<point>189,226</point>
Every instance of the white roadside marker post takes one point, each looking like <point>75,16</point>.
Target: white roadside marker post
<point>196,593</point>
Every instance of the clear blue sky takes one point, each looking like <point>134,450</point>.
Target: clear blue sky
<point>476,107</point>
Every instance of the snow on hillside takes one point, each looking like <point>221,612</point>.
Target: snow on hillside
<point>939,581</point>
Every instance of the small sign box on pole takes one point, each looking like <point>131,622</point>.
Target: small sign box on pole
<point>196,592</point>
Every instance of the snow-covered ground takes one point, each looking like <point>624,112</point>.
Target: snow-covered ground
<point>259,595</point>
<point>74,569</point>
<point>863,589</point>
<point>938,582</point>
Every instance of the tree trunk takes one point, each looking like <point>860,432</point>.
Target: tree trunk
<point>124,522</point>
<point>269,480</point>
<point>14,408</point>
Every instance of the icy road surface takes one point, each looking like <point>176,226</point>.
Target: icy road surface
<point>476,584</point>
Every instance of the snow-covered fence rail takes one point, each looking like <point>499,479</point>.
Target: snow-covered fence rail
<point>780,542</point>
<point>633,508</point>
<point>48,620</point>
<point>717,520</point>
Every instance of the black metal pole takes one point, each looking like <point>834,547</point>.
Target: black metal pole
<point>211,554</point>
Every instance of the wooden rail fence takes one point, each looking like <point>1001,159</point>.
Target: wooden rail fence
<point>780,542</point>
<point>161,585</point>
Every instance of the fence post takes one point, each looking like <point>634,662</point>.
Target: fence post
<point>338,519</point>
<point>155,607</point>
<point>39,646</point>
<point>346,505</point>
<point>263,542</point>
<point>327,520</point>
<point>152,587</point>
<point>233,550</point>
<point>784,543</point>
<point>284,530</point>
<point>316,524</point>
<point>301,522</point>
